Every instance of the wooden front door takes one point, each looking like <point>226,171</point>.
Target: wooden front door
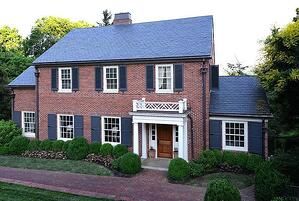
<point>164,141</point>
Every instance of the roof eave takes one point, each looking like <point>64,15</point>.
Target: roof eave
<point>19,86</point>
<point>264,116</point>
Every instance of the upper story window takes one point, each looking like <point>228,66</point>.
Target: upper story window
<point>111,132</point>
<point>234,135</point>
<point>164,78</point>
<point>65,80</point>
<point>65,127</point>
<point>111,79</point>
<point>28,124</point>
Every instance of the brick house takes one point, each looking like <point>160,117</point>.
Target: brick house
<point>151,86</point>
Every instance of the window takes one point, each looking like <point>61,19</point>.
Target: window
<point>176,134</point>
<point>28,124</point>
<point>65,79</point>
<point>153,131</point>
<point>164,78</point>
<point>65,127</point>
<point>235,135</point>
<point>111,130</point>
<point>111,79</point>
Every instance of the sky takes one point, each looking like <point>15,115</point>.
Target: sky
<point>239,26</point>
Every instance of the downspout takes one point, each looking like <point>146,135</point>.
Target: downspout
<point>192,134</point>
<point>203,71</point>
<point>37,103</point>
<point>13,95</point>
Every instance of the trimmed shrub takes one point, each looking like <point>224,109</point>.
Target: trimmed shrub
<point>219,155</point>
<point>269,183</point>
<point>284,199</point>
<point>208,158</point>
<point>34,145</point>
<point>106,149</point>
<point>8,130</point>
<point>253,162</point>
<point>241,159</point>
<point>66,145</point>
<point>119,150</point>
<point>229,157</point>
<point>46,145</point>
<point>178,170</point>
<point>18,145</point>
<point>129,163</point>
<point>4,150</point>
<point>196,169</point>
<point>77,149</point>
<point>222,189</point>
<point>95,148</point>
<point>57,145</point>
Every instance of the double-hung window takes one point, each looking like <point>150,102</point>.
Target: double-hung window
<point>235,135</point>
<point>65,127</point>
<point>28,124</point>
<point>111,79</point>
<point>164,78</point>
<point>111,131</point>
<point>65,80</point>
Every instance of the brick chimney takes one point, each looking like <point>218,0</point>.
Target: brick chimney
<point>122,18</point>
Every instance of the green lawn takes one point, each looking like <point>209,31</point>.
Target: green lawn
<point>54,165</point>
<point>239,180</point>
<point>13,192</point>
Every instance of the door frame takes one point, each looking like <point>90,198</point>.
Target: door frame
<point>171,138</point>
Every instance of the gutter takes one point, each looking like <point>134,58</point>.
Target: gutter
<point>203,72</point>
<point>241,115</point>
<point>37,104</point>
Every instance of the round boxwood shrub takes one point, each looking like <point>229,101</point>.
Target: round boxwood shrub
<point>209,159</point>
<point>18,145</point>
<point>178,170</point>
<point>34,145</point>
<point>4,150</point>
<point>196,169</point>
<point>46,145</point>
<point>241,159</point>
<point>77,149</point>
<point>57,146</point>
<point>222,189</point>
<point>230,158</point>
<point>95,148</point>
<point>8,130</point>
<point>129,163</point>
<point>119,150</point>
<point>66,145</point>
<point>106,149</point>
<point>253,162</point>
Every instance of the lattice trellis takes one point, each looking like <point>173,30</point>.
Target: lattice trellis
<point>158,106</point>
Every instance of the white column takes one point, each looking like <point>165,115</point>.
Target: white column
<point>144,141</point>
<point>181,141</point>
<point>135,139</point>
<point>185,140</point>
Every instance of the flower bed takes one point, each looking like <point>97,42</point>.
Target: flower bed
<point>45,154</point>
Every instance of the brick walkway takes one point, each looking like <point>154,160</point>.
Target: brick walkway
<point>148,185</point>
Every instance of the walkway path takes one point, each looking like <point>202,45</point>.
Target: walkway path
<point>146,186</point>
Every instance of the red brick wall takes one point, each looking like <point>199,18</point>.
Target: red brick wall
<point>24,99</point>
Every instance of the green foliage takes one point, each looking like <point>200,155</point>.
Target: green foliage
<point>253,162</point>
<point>18,145</point>
<point>178,170</point>
<point>119,150</point>
<point>236,69</point>
<point>210,158</point>
<point>46,145</point>
<point>95,148</point>
<point>241,159</point>
<point>222,190</point>
<point>106,149</point>
<point>10,39</point>
<point>77,149</point>
<point>129,163</point>
<point>57,145</point>
<point>229,157</point>
<point>196,169</point>
<point>269,183</point>
<point>284,199</point>
<point>66,146</point>
<point>4,150</point>
<point>34,145</point>
<point>8,130</point>
<point>107,16</point>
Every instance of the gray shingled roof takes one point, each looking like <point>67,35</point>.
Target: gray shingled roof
<point>188,37</point>
<point>239,95</point>
<point>26,79</point>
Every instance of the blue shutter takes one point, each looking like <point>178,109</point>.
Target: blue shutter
<point>52,126</point>
<point>54,79</point>
<point>126,131</point>
<point>178,77</point>
<point>255,137</point>
<point>215,134</point>
<point>122,78</point>
<point>78,125</point>
<point>17,118</point>
<point>95,129</point>
<point>75,79</point>
<point>150,77</point>
<point>99,78</point>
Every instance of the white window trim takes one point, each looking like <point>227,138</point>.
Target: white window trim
<point>60,81</point>
<point>233,148</point>
<point>58,127</point>
<point>103,130</point>
<point>27,134</point>
<point>157,82</point>
<point>105,90</point>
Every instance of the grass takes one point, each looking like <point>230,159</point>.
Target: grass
<point>13,192</point>
<point>239,180</point>
<point>81,167</point>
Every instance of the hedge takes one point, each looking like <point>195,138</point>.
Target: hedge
<point>8,131</point>
<point>222,189</point>
<point>18,145</point>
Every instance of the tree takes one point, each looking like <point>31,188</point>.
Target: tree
<point>10,39</point>
<point>297,15</point>
<point>4,97</point>
<point>47,31</point>
<point>236,69</point>
<point>107,16</point>
<point>279,75</point>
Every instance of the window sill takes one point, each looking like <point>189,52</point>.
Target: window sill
<point>112,143</point>
<point>65,139</point>
<point>64,92</point>
<point>110,92</point>
<point>228,148</point>
<point>30,135</point>
<point>164,92</point>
